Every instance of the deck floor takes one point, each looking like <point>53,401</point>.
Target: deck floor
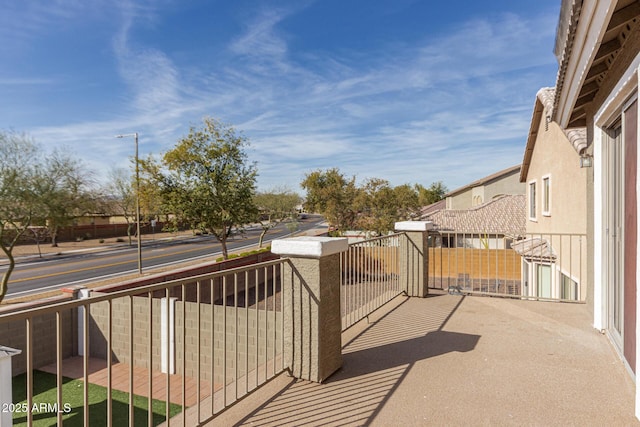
<point>455,360</point>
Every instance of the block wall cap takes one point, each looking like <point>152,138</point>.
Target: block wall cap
<point>8,352</point>
<point>309,246</point>
<point>414,226</point>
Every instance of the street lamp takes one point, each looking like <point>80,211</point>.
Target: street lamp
<point>135,135</point>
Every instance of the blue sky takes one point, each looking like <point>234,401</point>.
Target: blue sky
<point>408,91</point>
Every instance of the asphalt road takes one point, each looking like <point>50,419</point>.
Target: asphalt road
<point>39,275</point>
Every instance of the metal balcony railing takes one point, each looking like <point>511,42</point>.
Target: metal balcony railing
<point>547,266</point>
<point>370,276</point>
<point>207,340</point>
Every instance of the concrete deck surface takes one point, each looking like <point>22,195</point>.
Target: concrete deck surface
<point>454,360</point>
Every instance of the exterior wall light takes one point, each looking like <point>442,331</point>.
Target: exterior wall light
<point>586,160</point>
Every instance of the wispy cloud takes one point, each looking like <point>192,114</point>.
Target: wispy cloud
<point>260,38</point>
<point>452,108</point>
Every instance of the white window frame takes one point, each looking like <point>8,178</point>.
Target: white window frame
<point>537,278</point>
<point>560,280</point>
<point>532,199</point>
<point>531,277</point>
<point>546,195</point>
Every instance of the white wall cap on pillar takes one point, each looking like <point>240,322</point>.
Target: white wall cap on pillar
<point>8,352</point>
<point>414,226</point>
<point>309,246</point>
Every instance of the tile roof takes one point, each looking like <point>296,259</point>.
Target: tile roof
<point>577,137</point>
<point>534,249</point>
<point>503,215</point>
<point>433,207</point>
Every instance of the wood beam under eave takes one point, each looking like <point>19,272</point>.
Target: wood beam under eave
<point>607,49</point>
<point>578,116</point>
<point>583,100</point>
<point>577,122</point>
<point>589,88</point>
<point>623,16</point>
<point>597,70</point>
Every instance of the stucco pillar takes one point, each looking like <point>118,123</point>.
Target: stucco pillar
<point>6,397</point>
<point>312,320</point>
<point>414,257</point>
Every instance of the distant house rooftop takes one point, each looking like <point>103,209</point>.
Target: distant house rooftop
<point>433,207</point>
<point>503,215</point>
<point>486,180</point>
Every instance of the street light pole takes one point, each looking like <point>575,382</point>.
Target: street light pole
<point>135,135</point>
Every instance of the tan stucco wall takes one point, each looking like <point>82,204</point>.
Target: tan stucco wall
<point>509,184</point>
<point>555,157</point>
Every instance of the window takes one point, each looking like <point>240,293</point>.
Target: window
<point>525,277</point>
<point>569,288</point>
<point>543,280</point>
<point>546,196</point>
<point>532,200</point>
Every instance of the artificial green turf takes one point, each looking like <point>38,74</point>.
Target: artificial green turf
<point>44,392</point>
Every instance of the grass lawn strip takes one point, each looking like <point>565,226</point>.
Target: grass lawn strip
<point>45,398</point>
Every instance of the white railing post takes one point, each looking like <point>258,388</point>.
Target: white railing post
<point>79,292</point>
<point>414,257</point>
<point>6,392</point>
<point>168,341</point>
<point>83,293</point>
<point>311,312</point>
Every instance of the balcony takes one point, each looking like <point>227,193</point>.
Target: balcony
<point>456,360</point>
<point>242,346</point>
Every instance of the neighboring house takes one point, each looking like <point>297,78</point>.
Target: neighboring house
<point>554,253</point>
<point>598,49</point>
<point>492,225</point>
<point>484,190</point>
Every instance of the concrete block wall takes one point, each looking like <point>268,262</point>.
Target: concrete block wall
<point>120,331</point>
<point>14,335</point>
<point>252,338</point>
<point>260,326</point>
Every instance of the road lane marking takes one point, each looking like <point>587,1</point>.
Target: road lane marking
<point>101,266</point>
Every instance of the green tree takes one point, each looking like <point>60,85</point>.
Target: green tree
<point>332,194</point>
<point>274,207</point>
<point>18,200</point>
<point>407,201</point>
<point>433,194</point>
<point>380,205</point>
<point>207,181</point>
<point>375,204</point>
<point>63,191</point>
<point>121,197</point>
